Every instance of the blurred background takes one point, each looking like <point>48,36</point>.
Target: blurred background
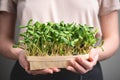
<point>110,66</point>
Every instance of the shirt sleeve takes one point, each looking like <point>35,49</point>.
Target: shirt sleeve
<point>108,6</point>
<point>7,6</point>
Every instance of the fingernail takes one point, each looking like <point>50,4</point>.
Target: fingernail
<point>51,72</point>
<point>28,72</point>
<point>90,59</point>
<point>69,68</point>
<point>57,70</point>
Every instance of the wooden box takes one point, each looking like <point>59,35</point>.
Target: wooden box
<point>37,62</point>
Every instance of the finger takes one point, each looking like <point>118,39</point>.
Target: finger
<point>70,68</point>
<point>23,61</point>
<point>78,67</point>
<point>55,69</point>
<point>84,63</point>
<point>42,71</point>
<point>28,71</point>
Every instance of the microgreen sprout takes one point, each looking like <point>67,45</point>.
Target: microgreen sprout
<point>50,39</point>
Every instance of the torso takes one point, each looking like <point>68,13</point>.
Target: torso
<point>79,11</point>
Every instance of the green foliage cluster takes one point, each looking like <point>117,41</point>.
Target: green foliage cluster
<point>48,39</point>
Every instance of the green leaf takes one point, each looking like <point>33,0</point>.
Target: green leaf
<point>29,22</point>
<point>22,27</point>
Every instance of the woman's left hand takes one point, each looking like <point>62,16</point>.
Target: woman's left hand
<point>82,65</point>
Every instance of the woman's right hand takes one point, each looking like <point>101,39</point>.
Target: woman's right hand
<point>25,64</point>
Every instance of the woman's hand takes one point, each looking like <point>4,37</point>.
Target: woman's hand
<point>82,65</point>
<point>25,64</point>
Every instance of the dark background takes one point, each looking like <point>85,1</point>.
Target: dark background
<point>110,66</point>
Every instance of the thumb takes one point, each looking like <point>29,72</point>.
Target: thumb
<point>93,53</point>
<point>94,56</point>
<point>23,61</point>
